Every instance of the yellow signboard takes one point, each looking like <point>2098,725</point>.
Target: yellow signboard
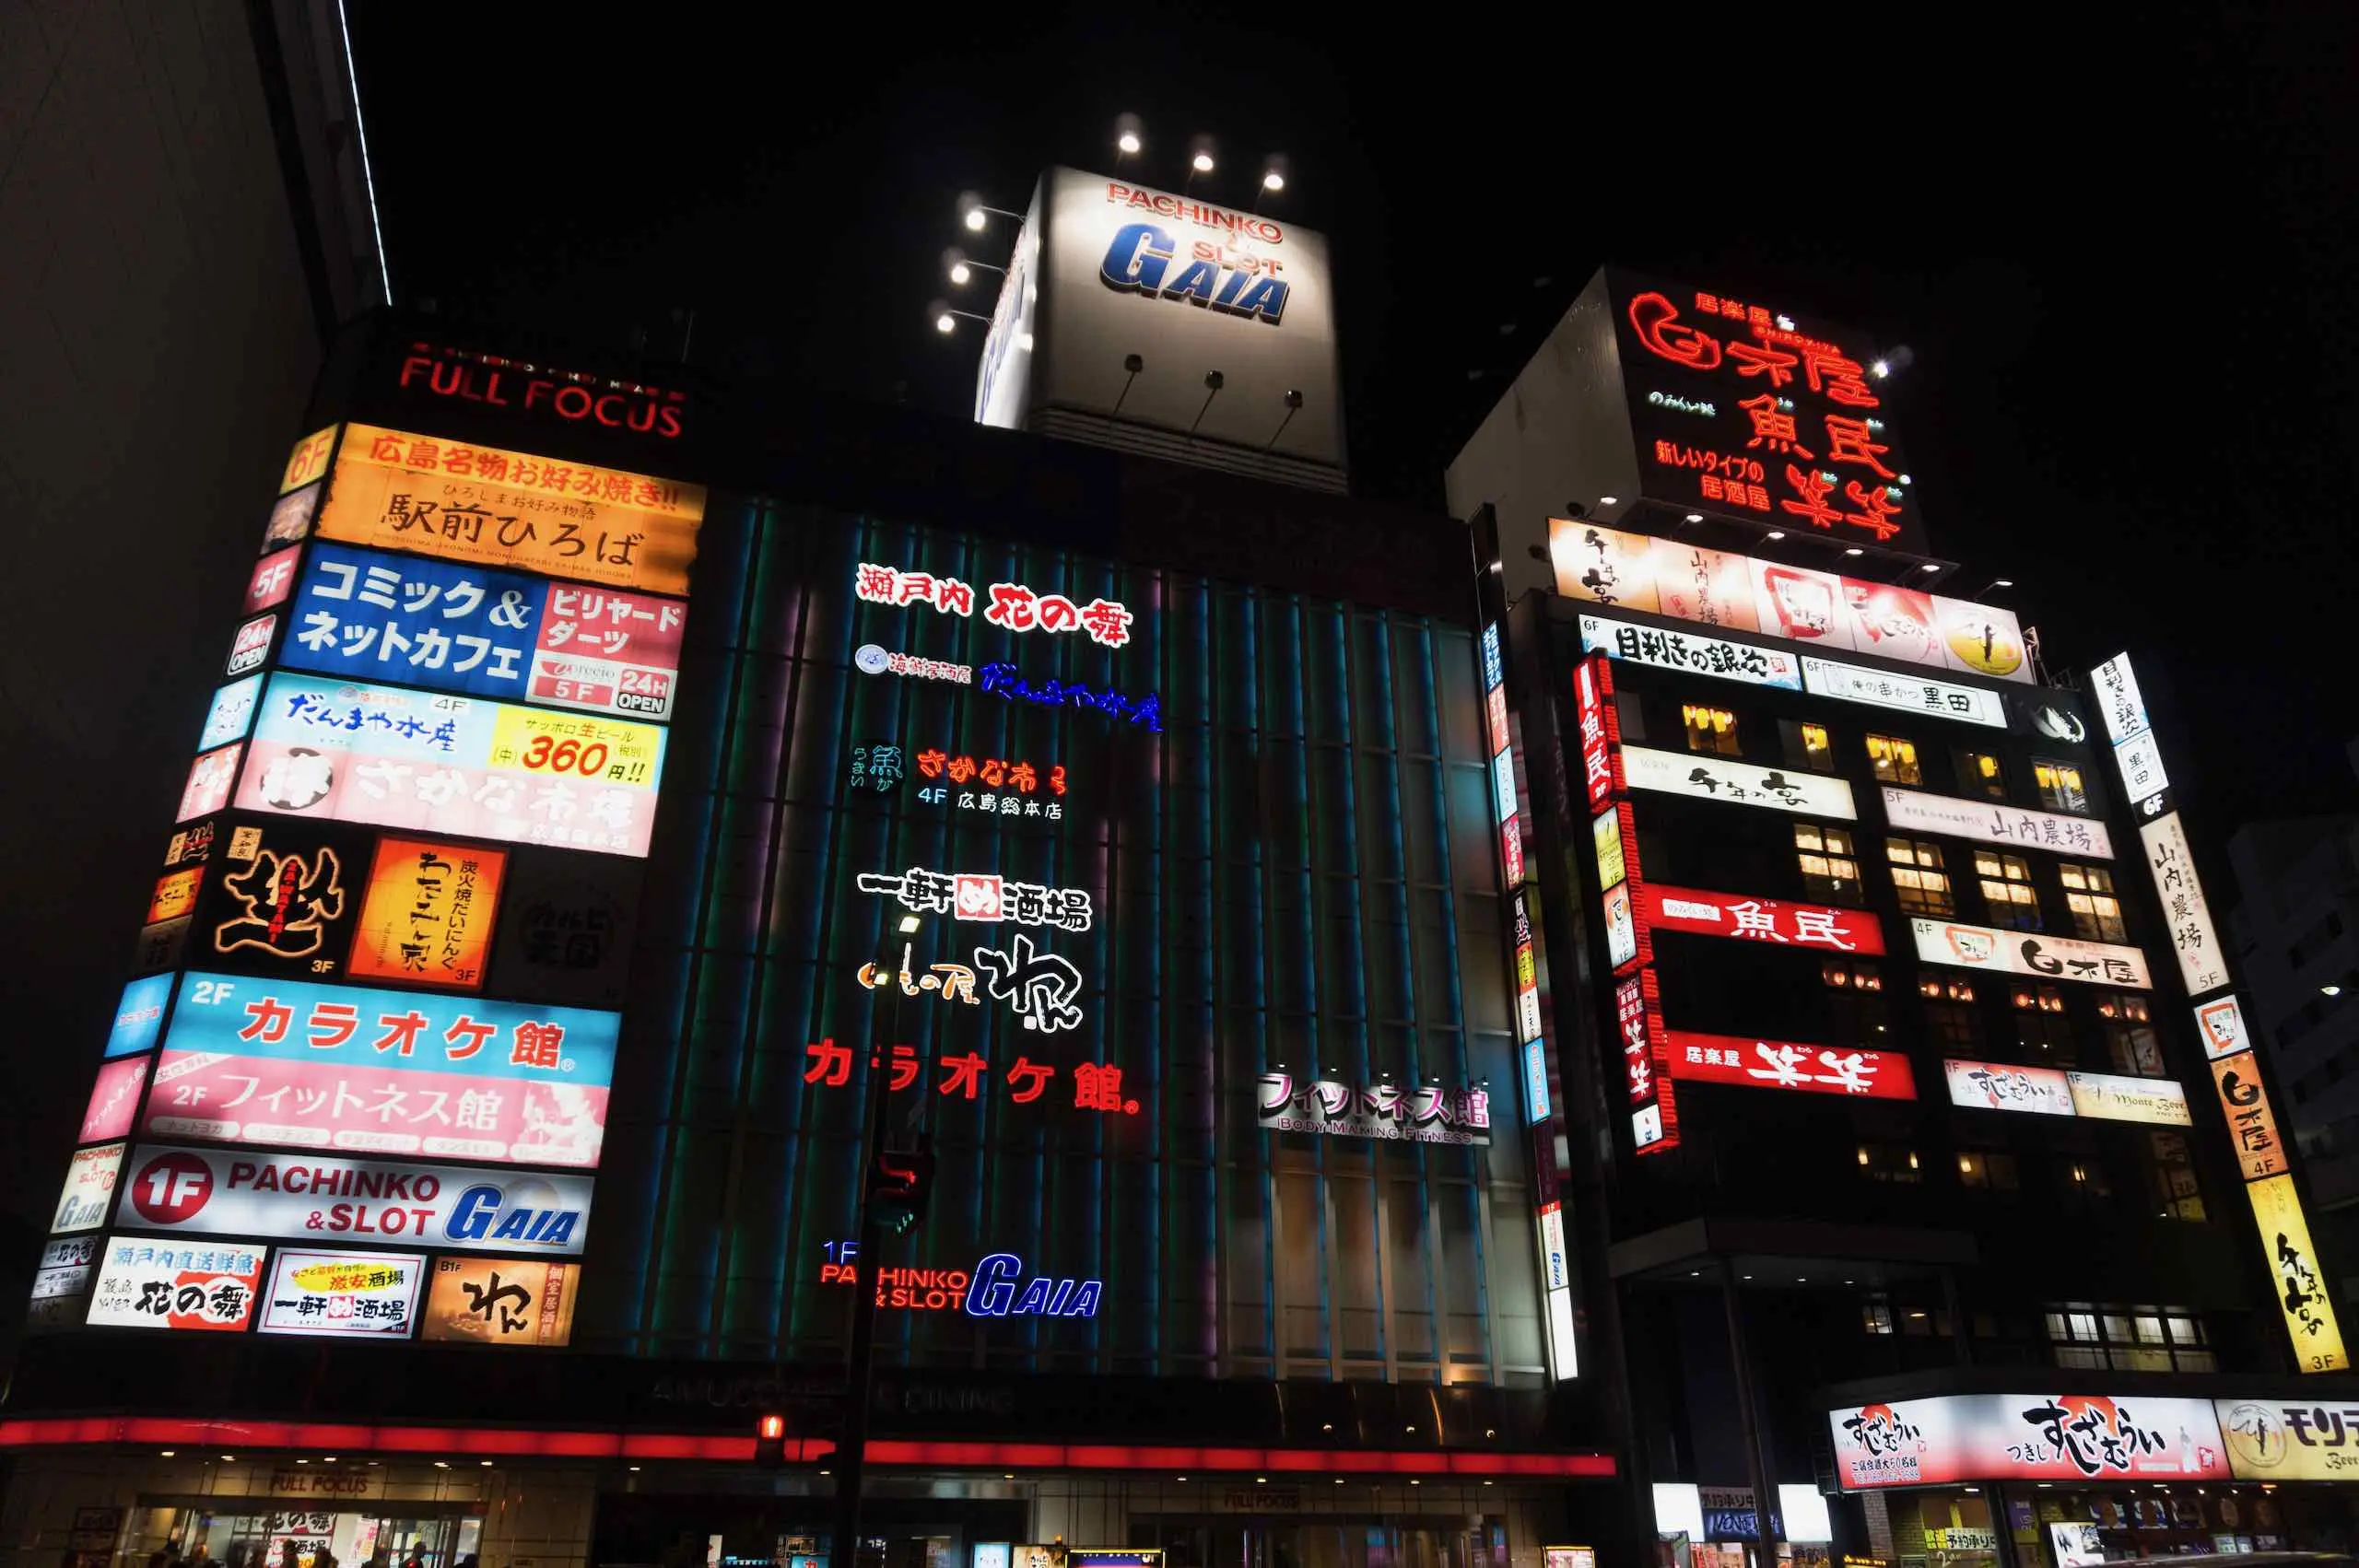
<point>576,746</point>
<point>2301,1281</point>
<point>397,491</point>
<point>308,460</point>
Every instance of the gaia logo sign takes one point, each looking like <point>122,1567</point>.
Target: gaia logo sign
<point>1216,276</point>
<point>995,1287</point>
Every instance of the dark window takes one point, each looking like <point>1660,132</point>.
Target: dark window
<point>1710,730</point>
<point>1830,868</point>
<point>1806,744</point>
<point>1894,758</point>
<point>2129,1035</point>
<point>2006,889</point>
<point>2170,1176</point>
<point>1978,773</point>
<point>1918,876</point>
<point>2088,893</point>
<point>2061,789</point>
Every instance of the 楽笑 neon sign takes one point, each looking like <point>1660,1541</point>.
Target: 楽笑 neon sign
<point>995,1287</point>
<point>1011,605</point>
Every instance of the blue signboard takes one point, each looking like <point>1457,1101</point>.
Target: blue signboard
<point>369,615</point>
<point>140,1017</point>
<point>361,1026</point>
<point>231,715</point>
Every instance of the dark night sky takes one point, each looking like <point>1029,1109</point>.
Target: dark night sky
<point>2119,260</point>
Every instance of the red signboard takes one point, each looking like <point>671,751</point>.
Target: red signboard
<point>1783,1064</point>
<point>1740,409</point>
<point>1760,920</point>
<point>1593,686</point>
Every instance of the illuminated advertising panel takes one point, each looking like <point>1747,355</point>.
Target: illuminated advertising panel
<point>308,460</point>
<point>114,1100</point>
<point>2120,702</point>
<point>2074,1438</point>
<point>290,519</point>
<point>1600,733</point>
<point>139,1015</point>
<point>1903,692</point>
<point>427,919</point>
<point>294,1020</point>
<point>2202,963</point>
<point>1760,920</point>
<point>501,1301</point>
<point>252,645</point>
<point>2301,1277</point>
<point>489,507</point>
<point>313,1197</point>
<point>1783,1064</point>
<point>210,779</point>
<point>2014,826</point>
<point>343,1294</point>
<point>1821,610</point>
<point>231,715</point>
<point>2251,1122</point>
<point>1011,606</point>
<point>1692,653</point>
<point>2220,1023</point>
<point>452,765</point>
<point>1428,1113</point>
<point>1737,408</point>
<point>2274,1440</point>
<point>1719,778</point>
<point>376,1107</point>
<point>144,1283</point>
<point>1621,928</point>
<point>1605,832</point>
<point>283,899</point>
<point>272,581</point>
<point>2144,781</point>
<point>367,614</point>
<point>90,1177</point>
<point>2001,1086</point>
<point>2106,1096</point>
<point>59,1280</point>
<point>2037,955</point>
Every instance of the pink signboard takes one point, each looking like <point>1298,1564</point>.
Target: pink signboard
<point>114,1101</point>
<point>213,1097</point>
<point>2077,1438</point>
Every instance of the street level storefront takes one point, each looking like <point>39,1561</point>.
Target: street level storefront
<point>110,1491</point>
<point>2066,1480</point>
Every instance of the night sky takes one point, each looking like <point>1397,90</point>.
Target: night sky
<point>2118,264</point>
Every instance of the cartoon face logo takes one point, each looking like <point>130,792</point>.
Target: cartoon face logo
<point>299,781</point>
<point>871,660</point>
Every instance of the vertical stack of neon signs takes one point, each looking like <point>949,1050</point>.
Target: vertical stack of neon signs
<point>1629,936</point>
<point>1531,1043</point>
<point>375,983</point>
<point>2286,1248</point>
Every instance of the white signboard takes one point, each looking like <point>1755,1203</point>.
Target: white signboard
<point>2001,1086</point>
<point>1719,778</point>
<point>2108,1097</point>
<point>1908,694</point>
<point>1108,270</point>
<point>2140,761</point>
<point>2202,964</point>
<point>1914,811</point>
<point>2120,702</point>
<point>1692,653</point>
<point>89,1188</point>
<point>343,1294</point>
<point>2033,953</point>
<point>311,1198</point>
<point>2219,1024</point>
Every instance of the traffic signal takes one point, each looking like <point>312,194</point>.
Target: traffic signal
<point>900,1181</point>
<point>769,1442</point>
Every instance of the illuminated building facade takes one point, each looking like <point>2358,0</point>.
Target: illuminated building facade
<point>475,1163</point>
<point>1913,1135</point>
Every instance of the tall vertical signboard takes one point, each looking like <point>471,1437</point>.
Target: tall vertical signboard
<point>343,1051</point>
<point>2283,1228</point>
<point>1532,1055</point>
